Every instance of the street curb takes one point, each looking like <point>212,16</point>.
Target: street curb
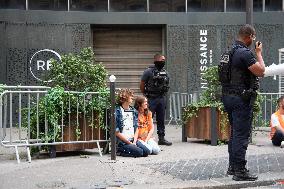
<point>264,179</point>
<point>237,185</point>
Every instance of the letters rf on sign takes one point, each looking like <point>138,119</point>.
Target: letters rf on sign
<point>40,63</point>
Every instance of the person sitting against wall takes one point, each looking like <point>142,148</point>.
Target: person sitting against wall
<point>277,124</point>
<point>145,126</point>
<point>126,127</point>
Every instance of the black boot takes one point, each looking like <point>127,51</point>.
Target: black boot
<point>163,141</point>
<point>231,170</point>
<point>242,174</point>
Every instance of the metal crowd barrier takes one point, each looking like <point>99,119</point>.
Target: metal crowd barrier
<point>267,107</point>
<point>16,106</point>
<point>177,101</point>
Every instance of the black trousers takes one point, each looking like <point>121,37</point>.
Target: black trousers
<point>277,138</point>
<point>158,106</point>
<point>240,117</point>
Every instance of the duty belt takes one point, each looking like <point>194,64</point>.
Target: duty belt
<point>237,92</point>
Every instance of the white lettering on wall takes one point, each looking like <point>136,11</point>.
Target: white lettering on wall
<point>42,65</point>
<point>205,57</point>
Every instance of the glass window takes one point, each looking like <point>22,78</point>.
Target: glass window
<point>89,5</point>
<point>205,6</point>
<point>13,4</point>
<point>257,5</point>
<point>273,5</point>
<point>167,5</point>
<point>48,4</point>
<point>236,6</point>
<point>128,5</point>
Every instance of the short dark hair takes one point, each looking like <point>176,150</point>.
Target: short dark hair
<point>246,30</point>
<point>158,55</point>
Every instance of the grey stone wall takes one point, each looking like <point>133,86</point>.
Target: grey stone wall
<point>21,40</point>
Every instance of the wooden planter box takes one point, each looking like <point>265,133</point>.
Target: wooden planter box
<point>206,126</point>
<point>87,133</point>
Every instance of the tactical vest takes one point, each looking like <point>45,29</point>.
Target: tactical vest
<point>239,79</point>
<point>158,83</point>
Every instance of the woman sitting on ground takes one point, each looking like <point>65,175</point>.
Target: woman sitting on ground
<point>145,126</point>
<point>126,127</point>
<point>277,124</point>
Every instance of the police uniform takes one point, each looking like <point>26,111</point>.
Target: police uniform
<point>156,87</point>
<point>239,105</point>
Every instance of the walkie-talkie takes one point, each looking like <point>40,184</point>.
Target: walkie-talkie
<point>257,44</point>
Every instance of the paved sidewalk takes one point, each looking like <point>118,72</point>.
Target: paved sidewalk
<point>193,164</point>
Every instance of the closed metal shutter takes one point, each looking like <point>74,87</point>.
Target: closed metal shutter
<point>127,52</point>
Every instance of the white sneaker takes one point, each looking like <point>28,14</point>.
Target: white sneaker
<point>282,144</point>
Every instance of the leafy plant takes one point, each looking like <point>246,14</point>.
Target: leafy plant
<point>2,88</point>
<point>78,72</point>
<point>75,72</point>
<point>211,97</point>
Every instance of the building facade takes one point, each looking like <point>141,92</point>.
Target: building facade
<point>125,34</point>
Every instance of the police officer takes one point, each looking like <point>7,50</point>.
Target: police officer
<point>154,85</point>
<point>238,97</point>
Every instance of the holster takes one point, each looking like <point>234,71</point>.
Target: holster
<point>249,95</point>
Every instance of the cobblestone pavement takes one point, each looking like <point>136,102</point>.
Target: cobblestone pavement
<point>203,169</point>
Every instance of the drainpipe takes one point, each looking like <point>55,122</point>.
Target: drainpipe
<point>249,12</point>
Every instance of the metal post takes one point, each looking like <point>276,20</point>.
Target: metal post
<point>214,135</point>
<point>108,6</point>
<point>112,117</point>
<point>249,12</point>
<point>184,131</point>
<point>249,20</point>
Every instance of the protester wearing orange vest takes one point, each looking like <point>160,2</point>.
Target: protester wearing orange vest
<point>277,124</point>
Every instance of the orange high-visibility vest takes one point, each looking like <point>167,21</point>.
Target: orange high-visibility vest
<point>281,121</point>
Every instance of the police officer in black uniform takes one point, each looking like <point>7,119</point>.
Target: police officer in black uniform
<point>154,85</point>
<point>238,97</point>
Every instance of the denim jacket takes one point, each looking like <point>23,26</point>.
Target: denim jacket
<point>119,121</point>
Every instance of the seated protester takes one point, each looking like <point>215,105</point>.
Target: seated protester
<point>145,126</point>
<point>126,127</point>
<point>277,124</point>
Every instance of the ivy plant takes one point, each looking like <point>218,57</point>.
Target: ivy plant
<point>211,97</point>
<point>75,72</point>
<point>2,88</point>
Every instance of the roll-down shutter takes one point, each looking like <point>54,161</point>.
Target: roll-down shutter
<point>127,52</point>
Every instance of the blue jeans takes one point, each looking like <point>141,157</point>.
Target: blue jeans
<point>240,118</point>
<point>131,150</point>
<point>158,106</point>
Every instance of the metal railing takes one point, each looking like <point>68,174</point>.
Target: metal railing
<point>25,120</point>
<point>268,106</point>
<point>177,101</point>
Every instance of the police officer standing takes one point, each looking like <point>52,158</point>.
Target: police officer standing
<point>238,96</point>
<point>154,85</point>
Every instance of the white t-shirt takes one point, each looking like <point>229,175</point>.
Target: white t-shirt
<point>275,121</point>
<point>127,119</point>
